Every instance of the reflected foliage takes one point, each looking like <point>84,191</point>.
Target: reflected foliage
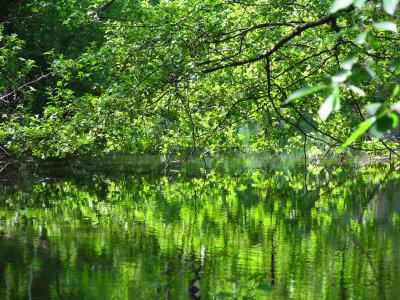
<point>250,227</point>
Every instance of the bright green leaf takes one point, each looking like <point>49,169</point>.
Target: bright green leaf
<point>363,127</point>
<point>340,4</point>
<point>395,120</point>
<point>361,38</point>
<point>396,90</point>
<point>357,90</point>
<point>348,63</point>
<point>331,103</point>
<point>388,26</point>
<point>390,6</point>
<point>358,3</point>
<point>340,77</point>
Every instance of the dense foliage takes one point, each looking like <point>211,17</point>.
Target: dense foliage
<point>187,76</point>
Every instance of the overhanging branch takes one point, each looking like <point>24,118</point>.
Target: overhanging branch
<point>277,46</point>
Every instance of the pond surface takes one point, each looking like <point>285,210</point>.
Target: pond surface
<point>247,228</point>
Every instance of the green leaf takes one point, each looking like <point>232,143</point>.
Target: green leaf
<point>331,103</point>
<point>326,108</point>
<point>396,90</point>
<point>373,108</point>
<point>340,4</point>
<point>224,295</point>
<point>303,92</point>
<point>265,287</point>
<point>388,26</point>
<point>384,125</point>
<point>232,280</point>
<point>358,3</point>
<point>363,127</point>
<point>348,63</point>
<point>357,90</point>
<point>390,6</point>
<point>361,38</point>
<point>340,77</point>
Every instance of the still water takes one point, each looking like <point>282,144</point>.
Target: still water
<point>231,227</point>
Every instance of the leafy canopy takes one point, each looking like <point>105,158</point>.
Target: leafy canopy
<point>187,76</point>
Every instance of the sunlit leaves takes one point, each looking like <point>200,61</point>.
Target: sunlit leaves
<point>150,70</point>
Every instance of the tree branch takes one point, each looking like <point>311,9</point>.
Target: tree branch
<point>277,46</point>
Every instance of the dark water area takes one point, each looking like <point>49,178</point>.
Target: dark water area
<point>233,227</point>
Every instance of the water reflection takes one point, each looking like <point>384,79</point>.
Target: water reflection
<point>124,229</point>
